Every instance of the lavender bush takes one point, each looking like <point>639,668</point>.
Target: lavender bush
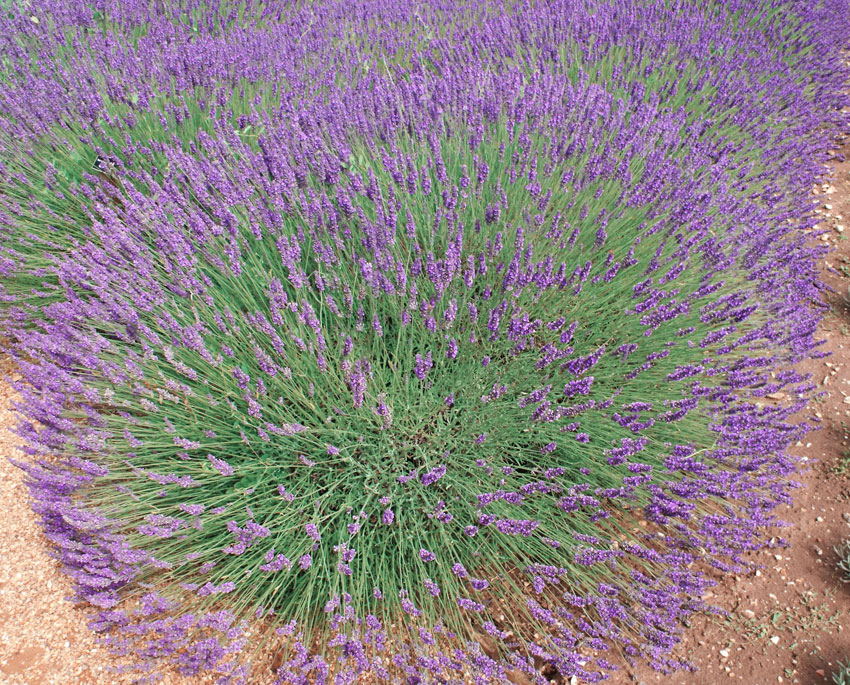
<point>436,342</point>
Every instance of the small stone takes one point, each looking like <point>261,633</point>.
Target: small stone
<point>724,653</point>
<point>775,639</point>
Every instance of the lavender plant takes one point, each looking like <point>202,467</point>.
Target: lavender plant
<point>430,342</point>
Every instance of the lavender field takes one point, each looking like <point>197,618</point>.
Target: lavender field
<point>429,341</point>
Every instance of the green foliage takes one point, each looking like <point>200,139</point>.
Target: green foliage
<point>842,675</point>
<point>844,560</point>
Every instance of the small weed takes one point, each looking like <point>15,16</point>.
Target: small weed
<point>842,466</point>
<point>805,619</point>
<point>842,675</point>
<point>844,560</point>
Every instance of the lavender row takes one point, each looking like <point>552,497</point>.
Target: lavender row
<point>428,342</point>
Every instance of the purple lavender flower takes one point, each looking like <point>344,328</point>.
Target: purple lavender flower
<point>220,465</point>
<point>423,365</point>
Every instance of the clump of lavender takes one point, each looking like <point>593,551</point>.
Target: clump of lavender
<point>431,340</point>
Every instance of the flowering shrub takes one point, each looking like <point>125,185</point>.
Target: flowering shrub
<point>437,341</point>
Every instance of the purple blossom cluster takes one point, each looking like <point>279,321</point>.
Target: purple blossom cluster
<point>382,327</point>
